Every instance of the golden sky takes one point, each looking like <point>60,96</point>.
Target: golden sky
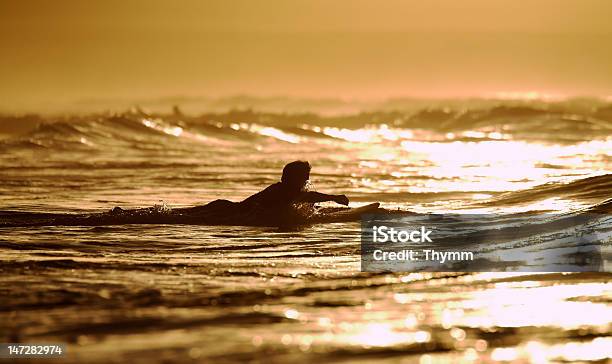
<point>56,52</point>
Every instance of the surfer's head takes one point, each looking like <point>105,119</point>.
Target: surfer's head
<point>296,174</point>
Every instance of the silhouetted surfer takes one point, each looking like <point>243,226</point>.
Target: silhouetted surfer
<point>291,189</point>
<point>277,198</point>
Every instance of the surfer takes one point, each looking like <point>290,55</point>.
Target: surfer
<point>286,203</point>
<point>278,197</point>
<point>292,189</point>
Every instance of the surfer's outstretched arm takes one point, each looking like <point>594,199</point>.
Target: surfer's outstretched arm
<point>312,196</point>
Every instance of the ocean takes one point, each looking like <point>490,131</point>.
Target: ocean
<point>189,292</point>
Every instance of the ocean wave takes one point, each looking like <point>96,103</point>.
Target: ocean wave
<point>594,188</point>
<point>559,123</point>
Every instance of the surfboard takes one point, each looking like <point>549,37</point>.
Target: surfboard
<point>345,215</point>
<point>198,215</point>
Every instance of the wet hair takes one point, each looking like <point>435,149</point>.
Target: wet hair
<point>294,172</point>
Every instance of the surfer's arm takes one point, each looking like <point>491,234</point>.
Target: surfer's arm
<point>312,196</point>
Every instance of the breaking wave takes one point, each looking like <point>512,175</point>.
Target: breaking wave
<point>556,123</point>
